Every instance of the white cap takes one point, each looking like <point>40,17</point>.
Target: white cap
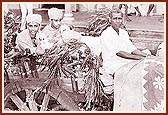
<point>34,18</point>
<point>55,13</point>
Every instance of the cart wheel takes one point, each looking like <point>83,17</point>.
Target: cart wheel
<point>22,95</point>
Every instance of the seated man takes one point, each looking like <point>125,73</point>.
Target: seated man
<point>53,30</point>
<point>56,31</point>
<point>117,49</point>
<point>27,38</point>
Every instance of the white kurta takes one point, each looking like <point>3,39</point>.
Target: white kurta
<point>23,41</point>
<point>111,44</point>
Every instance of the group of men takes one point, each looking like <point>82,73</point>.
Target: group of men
<point>38,40</point>
<point>116,47</point>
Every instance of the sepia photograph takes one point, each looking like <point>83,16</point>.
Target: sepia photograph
<point>83,57</point>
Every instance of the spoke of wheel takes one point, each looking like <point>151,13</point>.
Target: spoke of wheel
<point>45,102</point>
<point>32,103</point>
<point>7,109</point>
<point>19,103</point>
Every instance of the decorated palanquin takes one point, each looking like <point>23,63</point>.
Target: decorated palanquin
<point>140,86</point>
<point>153,85</point>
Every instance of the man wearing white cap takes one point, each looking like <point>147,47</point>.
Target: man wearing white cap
<point>55,30</point>
<point>27,38</point>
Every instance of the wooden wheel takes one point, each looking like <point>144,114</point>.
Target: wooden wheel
<point>27,95</point>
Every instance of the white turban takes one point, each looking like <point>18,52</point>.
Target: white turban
<point>34,18</point>
<point>55,13</point>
